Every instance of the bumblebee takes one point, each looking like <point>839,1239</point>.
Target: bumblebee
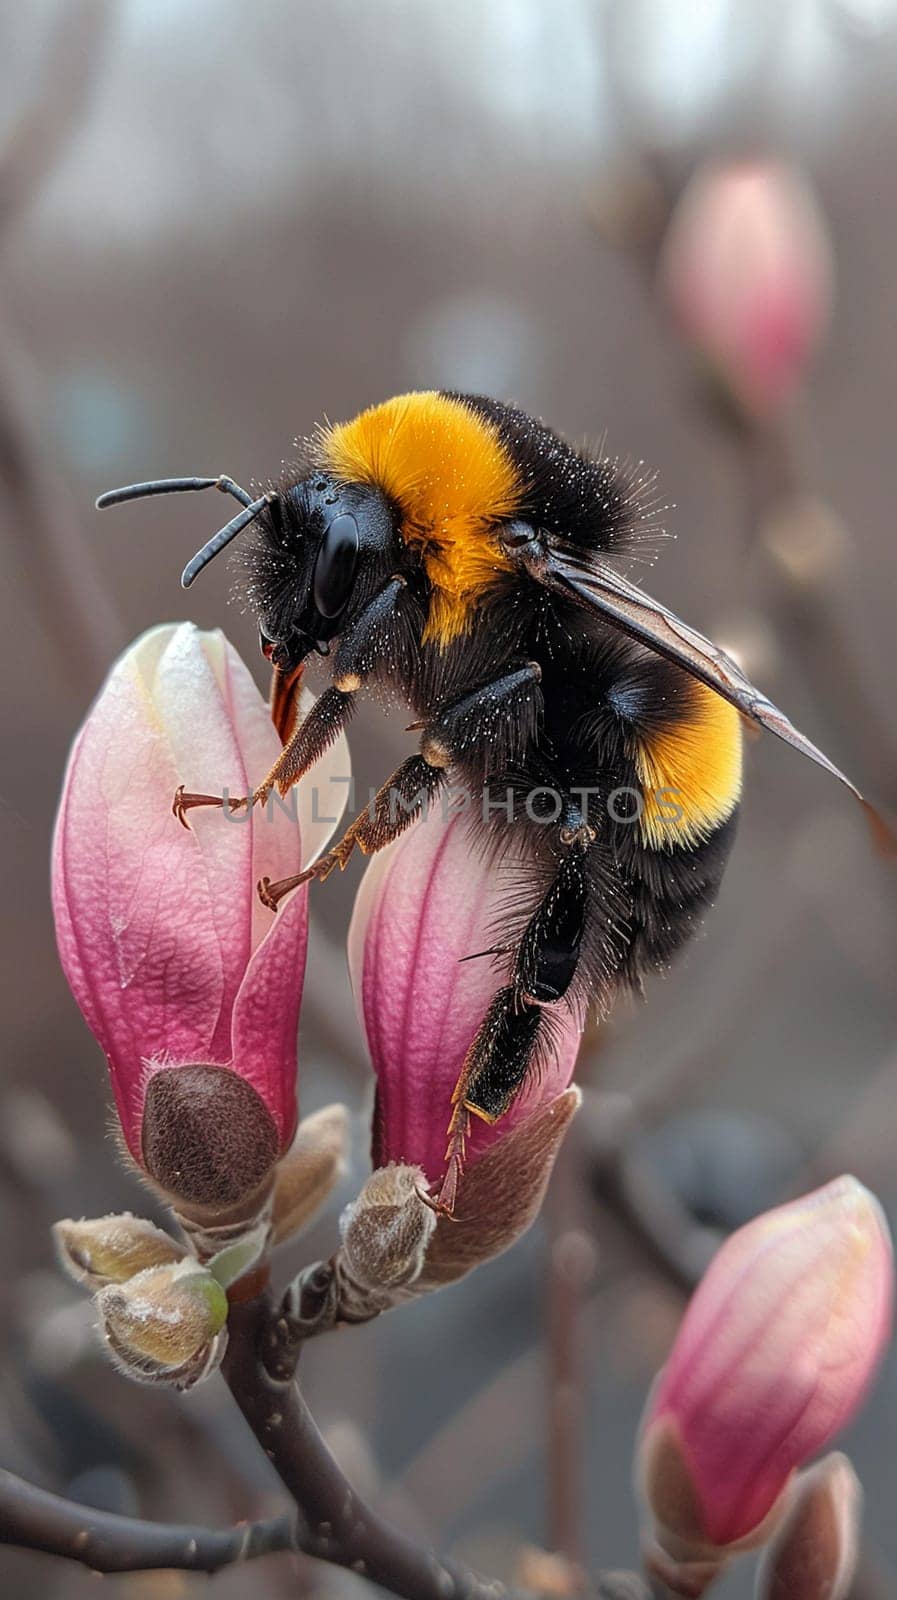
<point>452,551</point>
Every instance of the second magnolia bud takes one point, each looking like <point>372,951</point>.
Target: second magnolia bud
<point>746,267</point>
<point>385,1232</point>
<point>166,1325</point>
<point>112,1249</point>
<point>775,1353</point>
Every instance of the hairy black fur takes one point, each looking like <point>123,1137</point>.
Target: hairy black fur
<point>593,502</point>
<point>572,732</point>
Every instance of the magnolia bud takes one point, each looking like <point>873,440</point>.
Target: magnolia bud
<point>776,1351</point>
<point>385,1232</point>
<point>166,1325</point>
<point>394,1244</point>
<point>305,1176</point>
<point>112,1249</point>
<point>746,267</point>
<point>814,1552</point>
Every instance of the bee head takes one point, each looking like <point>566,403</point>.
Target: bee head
<point>321,550</point>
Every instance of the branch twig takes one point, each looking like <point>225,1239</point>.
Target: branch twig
<point>334,1524</point>
<point>34,1519</point>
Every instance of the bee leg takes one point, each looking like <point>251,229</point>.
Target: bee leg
<point>394,807</point>
<point>548,953</point>
<point>315,734</point>
<point>492,727</point>
<point>496,1065</point>
<point>356,655</point>
<point>306,743</point>
<point>483,717</point>
<point>184,802</point>
<point>545,963</point>
<point>328,716</point>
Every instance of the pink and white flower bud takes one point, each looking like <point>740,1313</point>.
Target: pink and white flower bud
<point>189,985</point>
<point>776,1351</point>
<point>425,904</point>
<point>746,267</point>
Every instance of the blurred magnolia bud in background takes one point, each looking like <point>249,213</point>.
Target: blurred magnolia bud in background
<point>425,904</point>
<point>166,1325</point>
<point>746,269</point>
<point>112,1249</point>
<point>776,1351</point>
<point>813,1553</point>
<point>189,985</point>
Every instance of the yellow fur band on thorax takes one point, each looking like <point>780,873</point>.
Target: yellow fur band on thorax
<point>447,471</point>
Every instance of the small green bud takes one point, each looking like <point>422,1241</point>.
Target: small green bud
<point>166,1325</point>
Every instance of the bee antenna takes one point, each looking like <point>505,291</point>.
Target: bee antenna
<point>223,537</point>
<point>141,491</point>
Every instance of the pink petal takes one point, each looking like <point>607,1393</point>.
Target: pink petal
<point>155,923</point>
<point>777,1349</point>
<point>266,1013</point>
<point>425,903</point>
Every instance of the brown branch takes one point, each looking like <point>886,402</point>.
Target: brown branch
<point>334,1524</point>
<point>34,1519</point>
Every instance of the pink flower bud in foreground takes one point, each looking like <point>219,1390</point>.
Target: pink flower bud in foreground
<point>776,1351</point>
<point>746,267</point>
<point>425,904</point>
<point>189,985</point>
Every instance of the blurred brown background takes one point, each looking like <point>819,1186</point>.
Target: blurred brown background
<point>221,222</point>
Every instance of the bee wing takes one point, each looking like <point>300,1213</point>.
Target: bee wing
<point>628,608</point>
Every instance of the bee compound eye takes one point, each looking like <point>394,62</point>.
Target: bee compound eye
<point>335,566</point>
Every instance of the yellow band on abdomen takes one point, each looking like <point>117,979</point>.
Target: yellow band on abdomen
<point>690,772</point>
